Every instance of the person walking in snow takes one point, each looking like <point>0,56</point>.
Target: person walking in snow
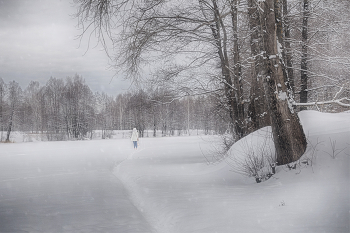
<point>135,137</point>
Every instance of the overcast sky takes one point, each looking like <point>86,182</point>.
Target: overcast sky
<point>38,40</point>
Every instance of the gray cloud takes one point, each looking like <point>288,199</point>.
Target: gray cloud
<point>38,39</point>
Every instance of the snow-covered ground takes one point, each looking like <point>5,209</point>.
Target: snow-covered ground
<point>65,187</point>
<point>166,186</point>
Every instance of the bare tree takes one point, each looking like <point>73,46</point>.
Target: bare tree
<point>185,36</point>
<point>105,116</point>
<point>14,98</point>
<point>79,108</point>
<point>32,104</point>
<point>2,106</point>
<point>54,90</point>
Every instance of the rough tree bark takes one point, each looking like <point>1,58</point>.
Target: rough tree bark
<point>257,109</point>
<point>281,46</point>
<point>288,135</point>
<point>237,71</point>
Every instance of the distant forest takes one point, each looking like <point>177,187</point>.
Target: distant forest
<point>65,109</point>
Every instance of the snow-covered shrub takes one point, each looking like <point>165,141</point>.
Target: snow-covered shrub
<point>334,150</point>
<point>311,152</point>
<point>219,149</point>
<point>254,155</point>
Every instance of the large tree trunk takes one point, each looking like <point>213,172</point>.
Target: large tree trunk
<point>257,109</point>
<point>237,71</point>
<point>304,78</point>
<point>289,138</point>
<point>281,45</point>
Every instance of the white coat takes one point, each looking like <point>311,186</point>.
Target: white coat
<point>134,135</point>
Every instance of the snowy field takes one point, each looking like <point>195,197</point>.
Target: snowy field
<point>166,186</point>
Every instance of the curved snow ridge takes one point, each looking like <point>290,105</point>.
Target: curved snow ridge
<point>131,187</point>
<point>134,197</point>
<point>161,220</point>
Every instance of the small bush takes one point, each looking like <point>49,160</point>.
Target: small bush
<point>254,155</point>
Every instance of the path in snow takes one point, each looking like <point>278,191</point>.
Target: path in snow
<point>65,187</point>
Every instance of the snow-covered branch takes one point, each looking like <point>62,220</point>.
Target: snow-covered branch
<point>337,101</point>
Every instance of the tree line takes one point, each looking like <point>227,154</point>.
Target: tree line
<point>64,109</point>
